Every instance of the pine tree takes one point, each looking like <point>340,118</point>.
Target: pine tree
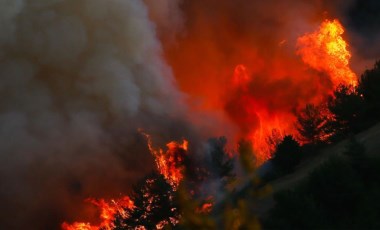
<point>220,164</point>
<point>369,89</point>
<point>311,124</point>
<point>348,110</point>
<point>154,201</point>
<point>287,155</point>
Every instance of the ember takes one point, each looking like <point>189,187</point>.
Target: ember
<point>108,211</point>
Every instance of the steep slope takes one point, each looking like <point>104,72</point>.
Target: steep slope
<point>369,138</point>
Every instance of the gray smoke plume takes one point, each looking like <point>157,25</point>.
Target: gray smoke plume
<point>77,79</point>
<point>168,17</point>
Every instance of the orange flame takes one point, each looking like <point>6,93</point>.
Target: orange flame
<point>241,76</point>
<point>263,121</point>
<point>325,50</point>
<point>169,163</point>
<point>257,116</point>
<point>108,212</point>
<point>78,226</point>
<point>204,208</point>
<point>256,120</point>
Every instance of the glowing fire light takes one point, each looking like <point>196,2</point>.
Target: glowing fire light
<point>241,77</point>
<point>255,119</point>
<point>78,226</point>
<point>205,208</point>
<point>169,163</point>
<point>108,211</point>
<point>325,50</point>
<point>259,118</point>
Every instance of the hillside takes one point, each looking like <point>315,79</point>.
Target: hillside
<point>369,138</point>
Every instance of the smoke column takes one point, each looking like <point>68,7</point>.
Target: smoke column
<point>77,79</point>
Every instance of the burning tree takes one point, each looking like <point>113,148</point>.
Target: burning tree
<point>347,108</point>
<point>108,211</point>
<point>356,108</point>
<point>155,207</point>
<point>257,116</point>
<point>170,163</point>
<point>311,124</point>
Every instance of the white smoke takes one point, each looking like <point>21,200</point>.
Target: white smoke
<point>168,17</point>
<point>77,78</point>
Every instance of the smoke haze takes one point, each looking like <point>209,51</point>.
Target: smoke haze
<point>218,36</point>
<point>79,77</point>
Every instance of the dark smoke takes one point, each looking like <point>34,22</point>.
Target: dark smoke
<point>362,20</point>
<point>77,79</point>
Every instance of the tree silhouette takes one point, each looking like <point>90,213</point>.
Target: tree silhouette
<point>287,155</point>
<point>369,88</point>
<point>348,109</point>
<point>311,124</point>
<point>154,200</point>
<point>273,140</point>
<point>220,164</point>
<point>342,193</point>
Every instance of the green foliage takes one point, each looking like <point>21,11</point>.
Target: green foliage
<point>287,155</point>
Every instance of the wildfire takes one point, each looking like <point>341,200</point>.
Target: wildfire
<point>241,77</point>
<point>78,226</point>
<point>255,119</point>
<point>325,50</point>
<point>261,117</point>
<point>170,162</point>
<point>108,211</point>
<point>205,208</point>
